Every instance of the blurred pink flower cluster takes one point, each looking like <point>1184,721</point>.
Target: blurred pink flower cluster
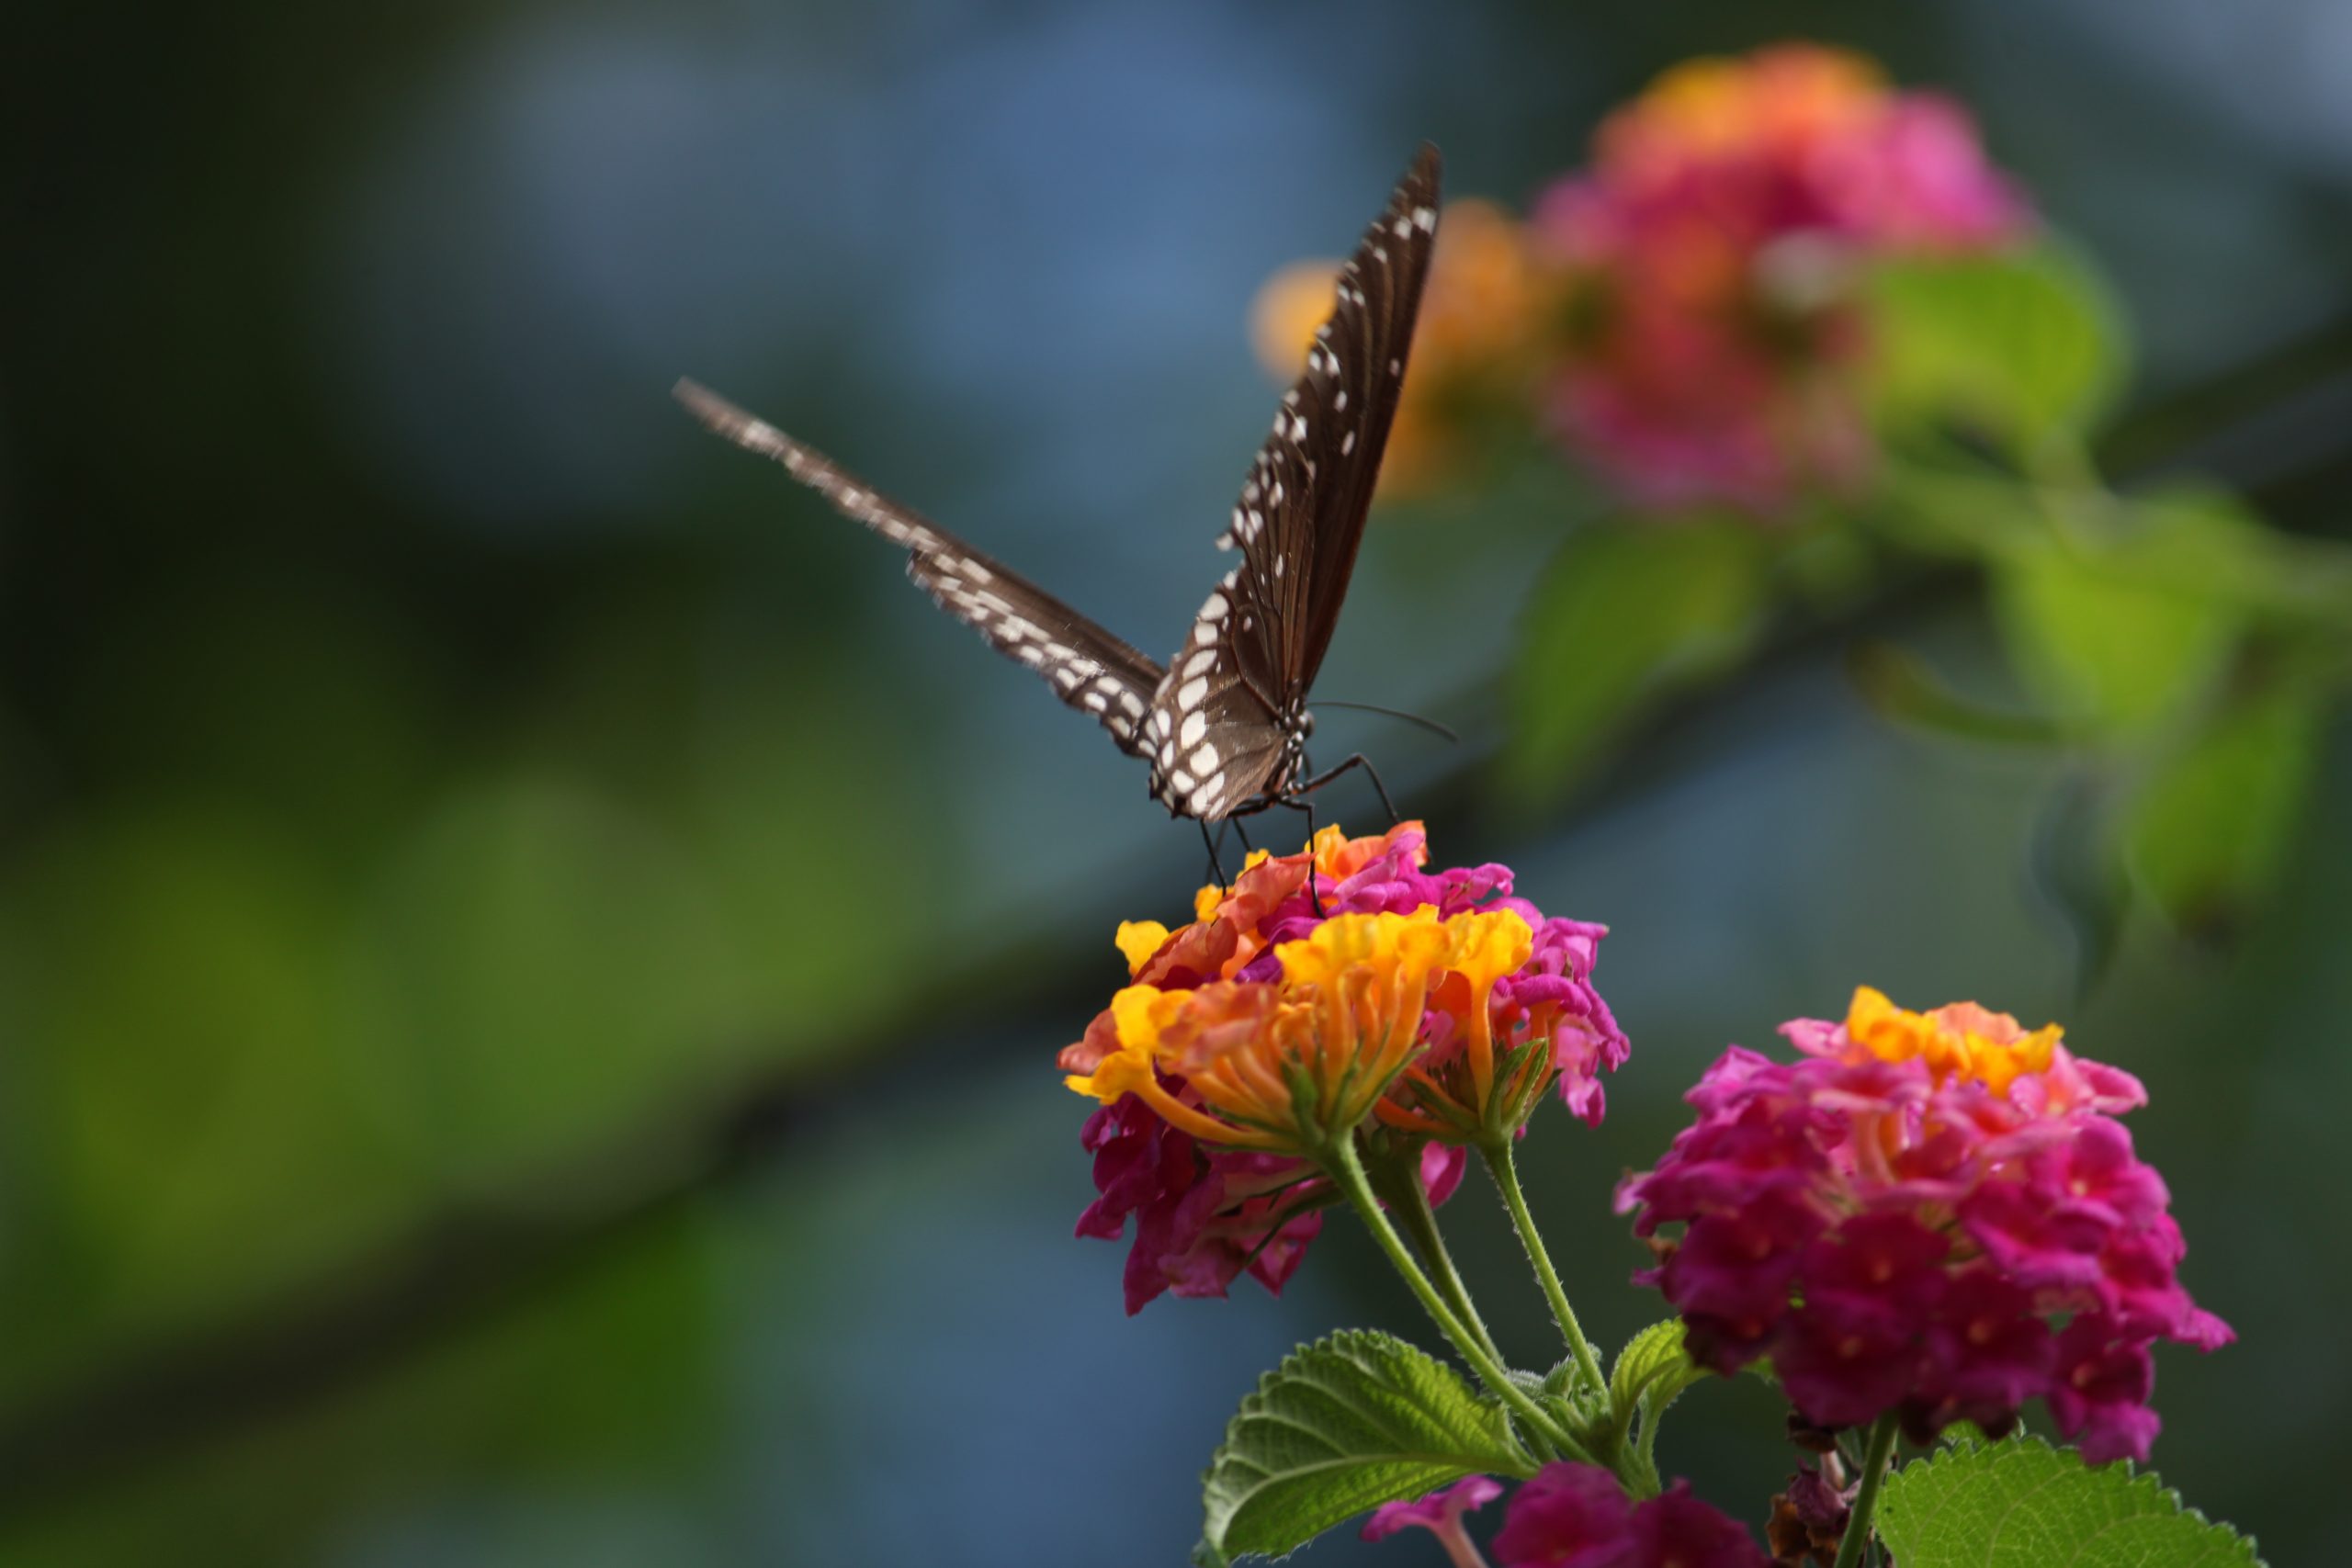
<point>1932,1213</point>
<point>1683,314</point>
<point>1708,253</point>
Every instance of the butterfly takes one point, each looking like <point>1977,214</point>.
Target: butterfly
<point>1224,724</point>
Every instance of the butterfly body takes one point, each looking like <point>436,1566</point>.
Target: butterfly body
<point>1224,724</point>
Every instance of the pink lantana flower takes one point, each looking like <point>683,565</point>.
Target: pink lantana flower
<point>1576,1515</point>
<point>1934,1213</point>
<point>1440,1513</point>
<point>1405,998</point>
<point>1708,255</point>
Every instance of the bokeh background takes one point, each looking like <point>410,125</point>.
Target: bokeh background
<point>529,962</point>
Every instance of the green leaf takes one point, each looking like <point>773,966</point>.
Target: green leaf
<point>2022,1504</point>
<point>1627,612</point>
<point>2119,633</point>
<point>2025,346</point>
<point>1651,1371</point>
<point>1353,1421</point>
<point>2211,830</point>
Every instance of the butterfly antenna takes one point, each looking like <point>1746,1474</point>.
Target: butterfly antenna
<point>1428,723</point>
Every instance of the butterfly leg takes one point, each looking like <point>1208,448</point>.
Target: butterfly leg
<point>1216,867</point>
<point>1295,803</point>
<point>1358,761</point>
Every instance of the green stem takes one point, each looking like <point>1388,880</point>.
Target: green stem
<point>1504,1167</point>
<point>1646,1459</point>
<point>1874,1468</point>
<point>1410,1203</point>
<point>1347,1173</point>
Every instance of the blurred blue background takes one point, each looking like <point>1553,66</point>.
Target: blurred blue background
<point>530,963</point>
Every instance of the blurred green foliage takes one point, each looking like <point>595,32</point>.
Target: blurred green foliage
<point>1622,618</point>
<point>2027,349</point>
<point>2170,638</point>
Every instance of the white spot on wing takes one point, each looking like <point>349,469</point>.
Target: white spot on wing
<point>1195,726</point>
<point>1190,694</point>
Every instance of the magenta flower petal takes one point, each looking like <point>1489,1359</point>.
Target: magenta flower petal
<point>1440,1511</point>
<point>1711,255</point>
<point>1568,1515</point>
<point>1674,1529</point>
<point>1576,1515</point>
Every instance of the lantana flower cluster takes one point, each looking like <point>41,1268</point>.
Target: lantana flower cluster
<point>1932,1213</point>
<point>1346,986</point>
<point>1709,248</point>
<point>1683,314</point>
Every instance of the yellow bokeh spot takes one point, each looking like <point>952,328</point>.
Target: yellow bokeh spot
<point>1482,326</point>
<point>1289,307</point>
<point>1711,106</point>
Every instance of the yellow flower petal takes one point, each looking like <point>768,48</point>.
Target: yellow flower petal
<point>1139,940</point>
<point>1487,945</point>
<point>1141,1012</point>
<point>1408,945</point>
<point>1959,1040</point>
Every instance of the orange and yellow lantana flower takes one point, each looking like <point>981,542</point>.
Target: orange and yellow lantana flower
<point>1293,1063</point>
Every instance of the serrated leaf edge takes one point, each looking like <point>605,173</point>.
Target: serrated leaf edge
<point>1359,1347</point>
<point>2146,1482</point>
